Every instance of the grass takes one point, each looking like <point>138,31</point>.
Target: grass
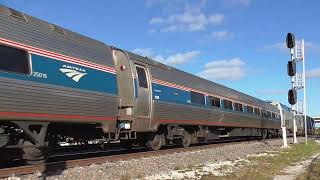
<point>266,167</point>
<point>313,172</point>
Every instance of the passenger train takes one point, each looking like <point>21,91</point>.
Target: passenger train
<point>58,86</point>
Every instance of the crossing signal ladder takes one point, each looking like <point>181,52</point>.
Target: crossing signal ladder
<point>299,81</point>
<point>300,107</point>
<point>299,51</point>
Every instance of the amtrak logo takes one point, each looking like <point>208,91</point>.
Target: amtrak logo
<point>74,73</point>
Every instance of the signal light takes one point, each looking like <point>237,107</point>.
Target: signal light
<point>290,40</point>
<point>291,68</point>
<point>292,96</point>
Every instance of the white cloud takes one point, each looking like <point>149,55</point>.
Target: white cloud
<point>221,35</point>
<point>156,20</point>
<point>271,91</point>
<point>144,52</point>
<point>182,58</point>
<point>152,3</point>
<point>314,73</point>
<point>171,59</point>
<point>275,46</point>
<point>312,46</point>
<point>241,2</point>
<point>187,22</point>
<point>171,28</point>
<point>232,69</point>
<point>191,19</point>
<point>281,46</point>
<point>151,31</point>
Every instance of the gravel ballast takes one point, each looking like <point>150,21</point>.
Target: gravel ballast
<point>151,167</point>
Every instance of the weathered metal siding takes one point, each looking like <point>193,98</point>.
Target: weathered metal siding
<point>29,97</point>
<point>171,113</point>
<point>21,100</point>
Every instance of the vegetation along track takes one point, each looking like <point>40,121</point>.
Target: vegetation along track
<point>65,164</point>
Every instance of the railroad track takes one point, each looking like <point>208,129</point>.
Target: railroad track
<point>61,165</point>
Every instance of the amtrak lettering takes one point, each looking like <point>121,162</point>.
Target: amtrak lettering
<point>73,72</point>
<point>74,68</point>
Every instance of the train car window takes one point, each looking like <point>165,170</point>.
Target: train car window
<point>230,105</point>
<point>257,111</point>
<point>14,60</point>
<point>268,114</point>
<point>264,113</point>
<point>273,116</point>
<point>250,109</point>
<point>227,104</point>
<point>197,98</point>
<point>215,102</point>
<point>142,77</point>
<point>238,107</point>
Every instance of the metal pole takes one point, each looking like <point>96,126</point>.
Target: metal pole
<point>292,106</point>
<point>304,94</point>
<point>294,128</point>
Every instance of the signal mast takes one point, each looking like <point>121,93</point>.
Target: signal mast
<point>298,81</point>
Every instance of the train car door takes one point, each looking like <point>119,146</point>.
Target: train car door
<point>144,101</point>
<point>125,82</point>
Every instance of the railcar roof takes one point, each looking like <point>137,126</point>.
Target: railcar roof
<point>41,34</point>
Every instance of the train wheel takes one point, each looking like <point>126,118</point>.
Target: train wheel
<point>185,141</point>
<point>33,154</point>
<point>155,142</point>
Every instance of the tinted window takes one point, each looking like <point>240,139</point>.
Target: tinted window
<point>250,109</point>
<point>197,98</point>
<point>264,113</point>
<point>268,114</point>
<point>215,101</point>
<point>257,111</point>
<point>227,104</point>
<point>14,60</point>
<point>142,77</point>
<point>273,115</point>
<point>238,107</point>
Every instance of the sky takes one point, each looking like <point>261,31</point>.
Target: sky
<point>236,43</point>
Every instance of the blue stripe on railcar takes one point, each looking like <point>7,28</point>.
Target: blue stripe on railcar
<point>169,94</point>
<point>47,70</point>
